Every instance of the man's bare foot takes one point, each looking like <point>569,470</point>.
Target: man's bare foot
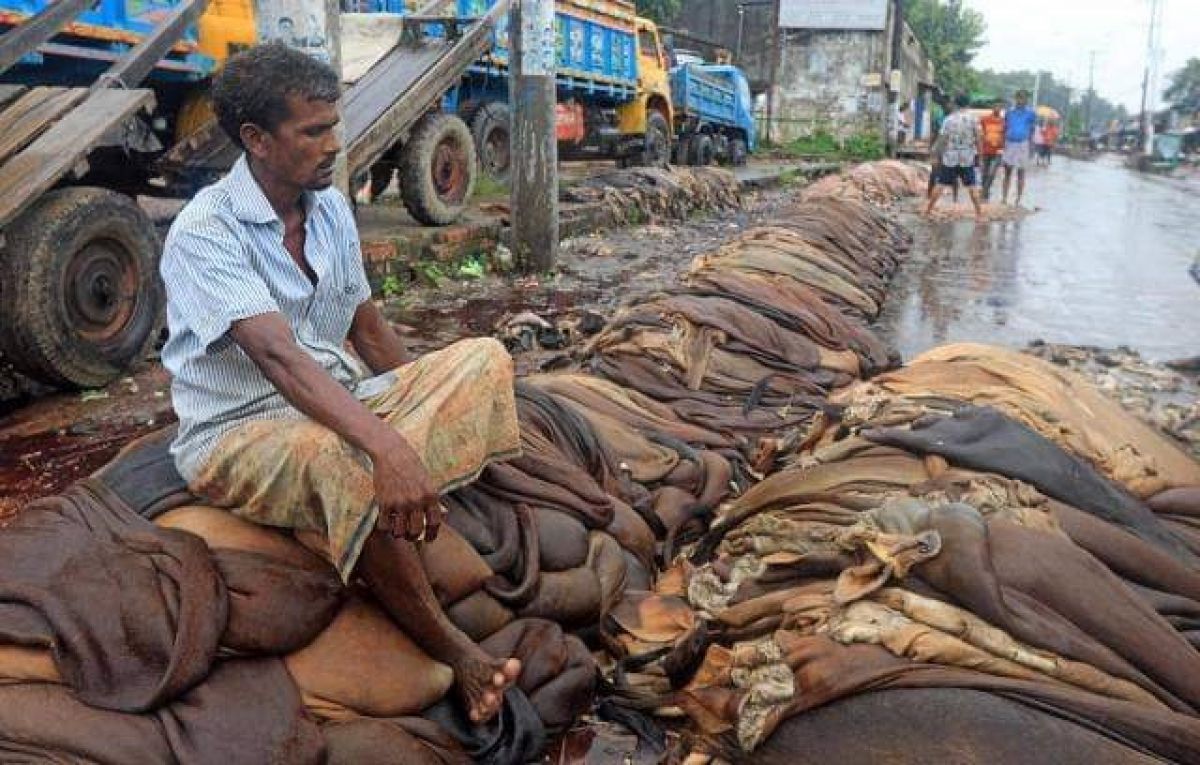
<point>481,682</point>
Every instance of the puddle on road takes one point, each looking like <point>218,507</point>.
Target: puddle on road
<point>1103,262</point>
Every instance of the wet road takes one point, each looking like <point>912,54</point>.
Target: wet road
<point>1104,261</point>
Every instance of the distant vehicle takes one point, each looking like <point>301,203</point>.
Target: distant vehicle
<point>714,114</point>
<point>614,101</point>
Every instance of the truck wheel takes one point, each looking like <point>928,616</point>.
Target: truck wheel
<point>437,169</point>
<point>657,152</point>
<point>738,153</point>
<point>702,150</point>
<point>80,297</point>
<point>682,152</point>
<point>490,127</point>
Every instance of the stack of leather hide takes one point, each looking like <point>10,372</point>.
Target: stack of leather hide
<point>979,536</point>
<point>643,194</point>
<point>880,183</point>
<point>199,638</point>
<point>765,328</point>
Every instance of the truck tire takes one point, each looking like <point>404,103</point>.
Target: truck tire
<point>491,130</point>
<point>682,152</point>
<point>437,169</point>
<point>738,153</point>
<point>80,297</point>
<point>703,151</point>
<point>657,152</point>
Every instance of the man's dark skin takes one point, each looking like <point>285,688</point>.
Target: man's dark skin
<point>299,155</point>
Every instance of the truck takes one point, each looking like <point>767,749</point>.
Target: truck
<point>104,102</point>
<point>618,96</point>
<point>614,98</point>
<point>714,117</point>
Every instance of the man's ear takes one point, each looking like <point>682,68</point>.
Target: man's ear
<point>255,139</point>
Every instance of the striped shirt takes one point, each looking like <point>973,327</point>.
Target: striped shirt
<point>224,260</point>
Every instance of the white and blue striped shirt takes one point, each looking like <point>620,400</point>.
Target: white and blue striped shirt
<point>224,260</point>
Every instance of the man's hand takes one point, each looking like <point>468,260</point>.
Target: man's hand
<point>407,498</point>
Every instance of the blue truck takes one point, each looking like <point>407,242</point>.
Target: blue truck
<point>714,118</point>
<point>614,99</point>
<point>618,97</point>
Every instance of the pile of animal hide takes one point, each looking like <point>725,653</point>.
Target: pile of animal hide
<point>762,527</point>
<point>764,328</point>
<point>880,183</point>
<point>979,558</point>
<point>642,194</point>
<point>1165,395</point>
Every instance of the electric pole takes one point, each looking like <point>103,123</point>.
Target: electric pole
<point>1087,105</point>
<point>534,199</point>
<point>1150,77</point>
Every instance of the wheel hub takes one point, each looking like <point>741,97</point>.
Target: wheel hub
<point>101,290</point>
<point>450,171</point>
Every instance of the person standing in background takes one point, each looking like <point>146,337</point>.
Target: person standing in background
<point>1039,144</point>
<point>993,145</point>
<point>937,115</point>
<point>1051,141</point>
<point>1019,122</point>
<point>962,144</point>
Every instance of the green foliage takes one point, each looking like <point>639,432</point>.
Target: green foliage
<point>431,273</point>
<point>472,268</point>
<point>822,144</point>
<point>1051,93</point>
<point>487,187</point>
<point>864,146</point>
<point>659,11</point>
<point>1184,89</point>
<point>951,36</point>
<point>819,143</point>
<point>391,287</point>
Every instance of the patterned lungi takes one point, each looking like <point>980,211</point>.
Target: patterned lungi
<point>455,407</point>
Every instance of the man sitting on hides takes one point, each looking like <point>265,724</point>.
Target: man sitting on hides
<point>278,422</point>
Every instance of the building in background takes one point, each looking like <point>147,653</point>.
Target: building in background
<point>843,66</point>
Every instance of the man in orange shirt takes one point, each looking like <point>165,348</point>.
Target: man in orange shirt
<point>993,146</point>
<point>1051,134</point>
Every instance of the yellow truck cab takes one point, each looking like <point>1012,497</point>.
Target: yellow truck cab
<point>650,114</point>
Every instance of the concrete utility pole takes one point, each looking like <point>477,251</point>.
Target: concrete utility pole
<point>1091,93</point>
<point>1150,78</point>
<point>534,200</point>
<point>315,27</point>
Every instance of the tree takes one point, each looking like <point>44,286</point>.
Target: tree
<point>951,36</point>
<point>659,11</point>
<point>1051,92</point>
<point>1184,90</point>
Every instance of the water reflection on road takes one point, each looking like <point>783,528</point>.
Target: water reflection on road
<point>1104,261</point>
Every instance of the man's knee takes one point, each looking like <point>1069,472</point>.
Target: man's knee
<point>489,353</point>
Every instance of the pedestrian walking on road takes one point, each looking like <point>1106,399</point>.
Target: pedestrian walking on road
<point>1051,136</point>
<point>962,146</point>
<point>1018,132</point>
<point>993,145</point>
<point>1039,144</point>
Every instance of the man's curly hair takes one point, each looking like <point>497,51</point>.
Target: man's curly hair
<point>255,84</point>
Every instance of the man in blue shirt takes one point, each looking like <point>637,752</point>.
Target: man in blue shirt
<point>1019,123</point>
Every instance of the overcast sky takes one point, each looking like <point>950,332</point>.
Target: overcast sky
<point>1056,36</point>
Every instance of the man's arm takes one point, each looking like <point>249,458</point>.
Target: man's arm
<point>407,498</point>
<point>375,340</point>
